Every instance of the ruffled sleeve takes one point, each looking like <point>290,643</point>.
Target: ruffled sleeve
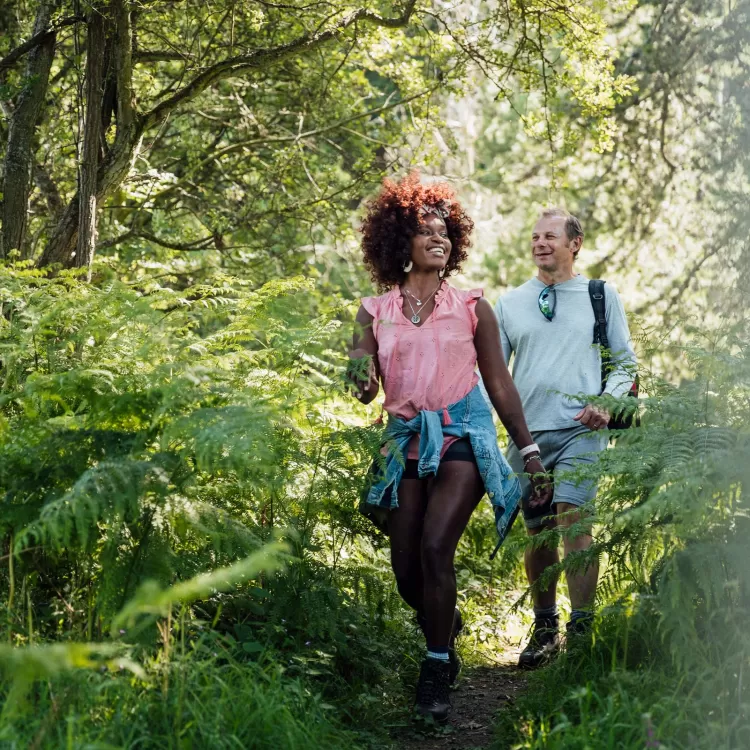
<point>372,305</point>
<point>471,303</point>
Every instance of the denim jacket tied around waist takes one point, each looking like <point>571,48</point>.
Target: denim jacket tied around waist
<point>468,418</point>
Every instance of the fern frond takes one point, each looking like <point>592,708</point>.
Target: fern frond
<point>109,491</point>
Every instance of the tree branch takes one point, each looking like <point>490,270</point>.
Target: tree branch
<point>663,132</point>
<point>120,158</point>
<point>678,288</point>
<point>162,56</point>
<point>201,244</point>
<point>231,148</point>
<point>261,58</point>
<point>38,38</point>
<point>92,130</point>
<point>123,59</point>
<point>114,241</point>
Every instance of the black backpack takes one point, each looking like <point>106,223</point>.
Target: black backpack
<point>596,294</point>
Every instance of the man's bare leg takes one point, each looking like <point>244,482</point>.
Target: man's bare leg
<point>545,641</point>
<point>581,584</point>
<point>537,560</point>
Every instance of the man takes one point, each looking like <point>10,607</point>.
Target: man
<point>547,324</point>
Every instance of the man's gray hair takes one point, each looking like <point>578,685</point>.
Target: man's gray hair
<point>573,226</point>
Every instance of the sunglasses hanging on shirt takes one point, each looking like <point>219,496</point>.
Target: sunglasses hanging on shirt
<point>548,301</point>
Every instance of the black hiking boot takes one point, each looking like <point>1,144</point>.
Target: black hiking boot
<point>579,630</point>
<point>543,644</point>
<point>458,626</point>
<point>433,690</point>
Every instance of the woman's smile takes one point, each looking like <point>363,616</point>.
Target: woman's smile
<point>431,246</point>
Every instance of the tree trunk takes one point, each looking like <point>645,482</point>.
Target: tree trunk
<point>68,246</point>
<point>61,247</point>
<point>92,135</point>
<point>46,186</point>
<point>19,156</point>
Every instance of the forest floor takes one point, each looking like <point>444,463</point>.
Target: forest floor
<point>481,693</point>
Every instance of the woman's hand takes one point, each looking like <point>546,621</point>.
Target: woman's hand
<point>362,372</point>
<point>363,375</point>
<point>541,484</point>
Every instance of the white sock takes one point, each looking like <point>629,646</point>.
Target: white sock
<point>439,655</point>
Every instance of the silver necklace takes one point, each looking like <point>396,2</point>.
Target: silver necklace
<point>415,313</point>
<point>419,301</point>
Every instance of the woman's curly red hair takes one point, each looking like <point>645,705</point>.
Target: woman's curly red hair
<point>393,218</point>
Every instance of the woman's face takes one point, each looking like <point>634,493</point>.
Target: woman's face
<point>430,246</point>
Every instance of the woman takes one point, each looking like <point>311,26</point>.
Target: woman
<point>422,340</point>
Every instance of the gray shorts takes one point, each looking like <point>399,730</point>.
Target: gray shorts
<point>563,452</point>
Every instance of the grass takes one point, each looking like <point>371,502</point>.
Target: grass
<point>623,692</point>
<point>209,702</point>
<point>312,660</point>
<point>311,664</point>
<point>321,661</point>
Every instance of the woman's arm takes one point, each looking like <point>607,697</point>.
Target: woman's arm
<point>496,378</point>
<point>364,345</point>
<point>503,393</point>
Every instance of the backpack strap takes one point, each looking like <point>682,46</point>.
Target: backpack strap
<point>596,295</point>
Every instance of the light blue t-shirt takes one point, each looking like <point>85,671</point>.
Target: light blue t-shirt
<point>554,362</point>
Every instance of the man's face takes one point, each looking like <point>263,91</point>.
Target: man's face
<point>550,247</point>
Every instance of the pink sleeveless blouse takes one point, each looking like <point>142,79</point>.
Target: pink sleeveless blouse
<point>430,366</point>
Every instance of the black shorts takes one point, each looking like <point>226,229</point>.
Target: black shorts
<point>460,450</point>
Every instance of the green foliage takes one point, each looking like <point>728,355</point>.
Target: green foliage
<point>672,645</point>
<point>215,701</point>
<point>256,129</point>
<point>22,667</point>
<point>151,599</point>
<point>152,442</point>
<point>162,423</point>
<point>625,692</point>
<point>140,422</point>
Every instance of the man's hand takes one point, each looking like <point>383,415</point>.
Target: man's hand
<point>542,486</point>
<point>370,381</point>
<point>594,417</point>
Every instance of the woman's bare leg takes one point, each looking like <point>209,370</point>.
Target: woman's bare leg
<point>453,495</point>
<point>405,531</point>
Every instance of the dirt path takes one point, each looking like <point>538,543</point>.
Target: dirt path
<point>482,692</point>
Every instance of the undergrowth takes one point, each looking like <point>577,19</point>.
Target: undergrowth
<point>624,691</point>
<point>153,443</point>
<point>215,701</point>
<point>184,564</point>
<point>670,655</point>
